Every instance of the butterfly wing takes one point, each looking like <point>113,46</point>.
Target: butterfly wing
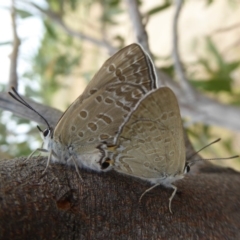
<point>151,143</point>
<point>129,65</point>
<point>112,94</point>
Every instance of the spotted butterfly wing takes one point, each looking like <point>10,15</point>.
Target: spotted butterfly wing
<point>94,117</point>
<point>150,144</point>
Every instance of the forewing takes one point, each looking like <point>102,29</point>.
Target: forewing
<point>113,93</point>
<point>151,144</point>
<point>129,65</point>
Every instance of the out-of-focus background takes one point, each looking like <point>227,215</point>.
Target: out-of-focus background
<point>63,43</point>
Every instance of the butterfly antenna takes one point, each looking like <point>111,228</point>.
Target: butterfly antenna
<point>18,98</point>
<point>225,158</point>
<point>209,159</point>
<point>211,143</point>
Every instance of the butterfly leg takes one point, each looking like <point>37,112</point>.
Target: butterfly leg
<point>38,149</point>
<point>171,198</point>
<point>31,155</point>
<point>149,189</point>
<point>48,162</point>
<point>76,166</point>
<point>45,150</point>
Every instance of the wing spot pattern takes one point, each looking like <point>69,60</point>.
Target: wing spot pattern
<point>105,118</point>
<point>164,117</point>
<point>104,136</point>
<point>98,99</point>
<point>83,114</point>
<point>108,100</point>
<point>92,126</point>
<point>111,68</point>
<point>92,91</point>
<point>80,134</point>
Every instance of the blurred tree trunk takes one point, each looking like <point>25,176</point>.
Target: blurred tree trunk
<point>58,205</point>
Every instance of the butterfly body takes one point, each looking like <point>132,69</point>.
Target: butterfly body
<point>88,158</point>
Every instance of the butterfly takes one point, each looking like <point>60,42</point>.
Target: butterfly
<point>150,143</point>
<point>93,119</point>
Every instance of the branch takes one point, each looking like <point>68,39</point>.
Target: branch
<point>51,114</point>
<point>204,109</point>
<point>211,112</point>
<point>141,34</point>
<point>58,20</point>
<point>200,108</point>
<point>58,205</point>
<point>226,29</point>
<point>13,76</point>
<point>184,84</point>
<point>139,28</point>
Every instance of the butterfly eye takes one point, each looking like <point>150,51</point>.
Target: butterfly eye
<point>187,169</point>
<point>46,132</point>
<point>105,165</point>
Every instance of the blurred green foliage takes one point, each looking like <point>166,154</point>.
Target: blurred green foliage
<point>220,76</point>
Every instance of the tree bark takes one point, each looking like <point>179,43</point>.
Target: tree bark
<point>57,205</point>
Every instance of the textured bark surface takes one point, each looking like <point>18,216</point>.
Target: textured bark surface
<point>58,205</point>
